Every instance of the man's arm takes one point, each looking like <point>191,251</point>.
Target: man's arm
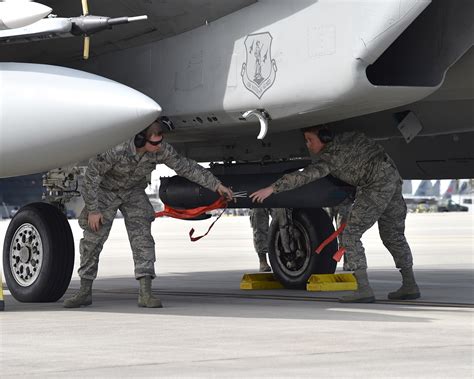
<point>297,179</point>
<point>189,168</point>
<point>293,180</point>
<point>96,169</point>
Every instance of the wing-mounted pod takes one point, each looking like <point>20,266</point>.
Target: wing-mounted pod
<point>179,192</point>
<point>78,114</point>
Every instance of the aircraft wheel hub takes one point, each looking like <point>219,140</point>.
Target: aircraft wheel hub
<point>26,255</point>
<point>295,262</point>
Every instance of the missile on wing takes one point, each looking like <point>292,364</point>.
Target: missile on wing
<point>52,116</point>
<point>180,193</point>
<point>59,27</point>
<point>16,14</point>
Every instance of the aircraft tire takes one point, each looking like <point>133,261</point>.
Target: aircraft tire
<point>38,254</point>
<point>311,228</point>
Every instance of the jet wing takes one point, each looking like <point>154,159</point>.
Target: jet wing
<point>165,19</point>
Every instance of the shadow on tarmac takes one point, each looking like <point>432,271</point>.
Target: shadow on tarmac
<point>217,294</point>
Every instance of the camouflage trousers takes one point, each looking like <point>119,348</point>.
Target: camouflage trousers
<point>381,202</point>
<point>260,222</point>
<point>340,214</point>
<point>138,214</point>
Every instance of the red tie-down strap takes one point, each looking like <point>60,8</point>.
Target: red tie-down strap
<point>338,255</point>
<point>187,214</point>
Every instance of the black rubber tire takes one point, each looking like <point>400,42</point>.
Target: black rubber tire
<point>317,226</point>
<point>58,254</point>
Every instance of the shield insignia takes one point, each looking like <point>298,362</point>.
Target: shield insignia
<point>259,70</point>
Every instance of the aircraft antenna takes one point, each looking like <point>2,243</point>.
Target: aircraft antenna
<point>85,8</point>
<point>87,39</point>
<point>87,45</point>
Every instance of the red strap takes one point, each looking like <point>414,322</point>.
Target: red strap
<point>338,255</point>
<point>191,232</point>
<point>186,214</point>
<point>331,238</point>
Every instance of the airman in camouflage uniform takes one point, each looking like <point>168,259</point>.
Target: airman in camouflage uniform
<point>361,162</point>
<point>116,180</point>
<point>259,220</point>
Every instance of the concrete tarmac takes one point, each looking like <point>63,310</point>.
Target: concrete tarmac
<point>211,329</point>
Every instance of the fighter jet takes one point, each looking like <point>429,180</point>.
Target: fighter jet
<point>16,14</point>
<point>227,72</point>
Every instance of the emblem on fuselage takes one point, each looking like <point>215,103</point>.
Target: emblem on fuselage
<point>259,70</point>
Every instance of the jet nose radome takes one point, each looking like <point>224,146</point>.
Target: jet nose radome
<point>145,106</point>
<point>52,116</point>
<point>16,14</point>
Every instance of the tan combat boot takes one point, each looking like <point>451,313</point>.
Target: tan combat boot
<point>145,297</point>
<point>364,293</point>
<point>83,297</point>
<point>264,266</point>
<point>409,289</point>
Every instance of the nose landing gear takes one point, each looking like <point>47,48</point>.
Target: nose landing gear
<point>291,247</point>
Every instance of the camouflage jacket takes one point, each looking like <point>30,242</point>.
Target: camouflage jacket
<point>351,157</point>
<point>121,170</point>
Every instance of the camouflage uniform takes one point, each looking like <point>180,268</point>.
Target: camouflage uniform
<point>116,180</point>
<point>361,162</point>
<point>259,220</point>
<point>340,214</point>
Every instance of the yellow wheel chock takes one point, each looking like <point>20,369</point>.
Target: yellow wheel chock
<point>332,282</point>
<point>260,281</point>
<point>317,282</point>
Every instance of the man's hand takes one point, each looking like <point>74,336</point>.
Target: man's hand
<point>261,194</point>
<point>225,192</point>
<point>95,219</point>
